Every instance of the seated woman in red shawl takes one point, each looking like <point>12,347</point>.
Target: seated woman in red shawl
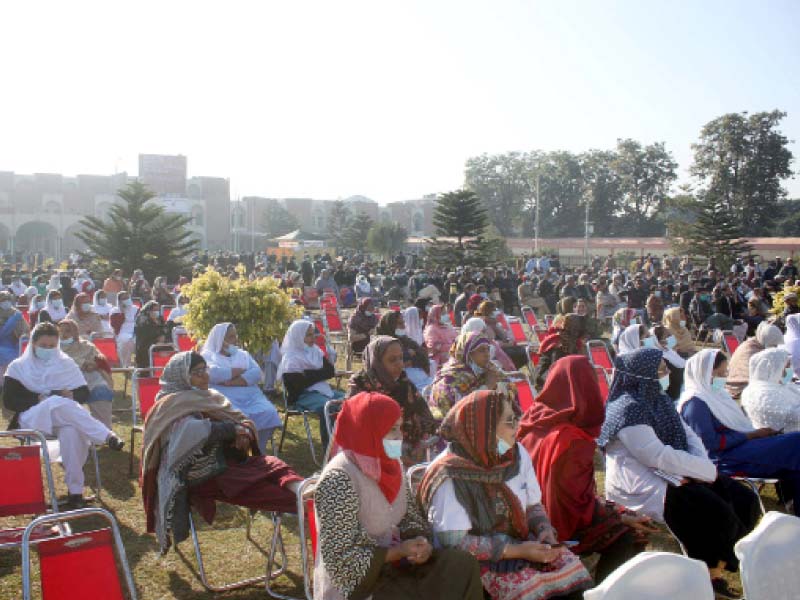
<point>568,338</point>
<point>559,432</point>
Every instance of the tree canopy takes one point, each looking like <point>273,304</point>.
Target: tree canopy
<point>459,214</point>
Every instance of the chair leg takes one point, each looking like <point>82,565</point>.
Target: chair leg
<point>98,482</point>
<point>283,432</point>
<point>310,438</point>
<point>752,485</point>
<point>130,458</point>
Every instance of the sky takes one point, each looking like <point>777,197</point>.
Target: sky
<point>329,99</point>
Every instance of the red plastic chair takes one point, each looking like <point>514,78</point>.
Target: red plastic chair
<point>160,355</point>
<point>548,321</point>
<point>185,342</point>
<point>598,354</point>
<point>322,344</point>
<point>80,565</point>
<point>517,332</point>
<point>524,394</point>
<point>394,305</point>
<point>22,465</point>
<point>530,317</point>
<point>23,344</point>
<point>144,389</point>
<point>452,317</point>
<point>504,323</point>
<point>107,346</point>
<point>730,342</point>
<point>165,312</point>
<point>137,302</point>
<point>333,321</point>
<point>319,325</point>
<point>25,314</point>
<point>602,381</point>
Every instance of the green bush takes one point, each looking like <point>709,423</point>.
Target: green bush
<point>261,311</point>
<point>777,300</point>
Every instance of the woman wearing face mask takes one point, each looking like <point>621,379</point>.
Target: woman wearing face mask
<point>439,334</point>
<point>675,322</point>
<point>361,323</point>
<point>384,372</point>
<point>729,436</point>
<point>12,328</point>
<point>149,330</point>
<point>305,372</point>
<point>662,339</point>
<point>102,309</point>
<point>415,358</point>
<point>633,338</point>
<point>88,321</point>
<point>373,541</point>
<point>481,495</point>
<point>767,336</point>
<point>498,356</point>
<point>413,324</point>
<point>55,306</point>
<point>236,375</point>
<point>569,338</point>
<point>161,293</point>
<point>43,388</point>
<point>622,319</point>
<point>123,322</point>
<point>770,398</point>
<point>470,369</point>
<point>647,444</point>
<point>594,329</point>
<point>94,367</point>
<point>203,450</point>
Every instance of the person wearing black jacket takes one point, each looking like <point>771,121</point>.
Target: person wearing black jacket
<point>43,389</point>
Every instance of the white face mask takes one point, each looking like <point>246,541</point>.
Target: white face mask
<point>683,324</point>
<point>67,341</point>
<point>368,313</point>
<point>664,382</point>
<point>58,304</point>
<point>649,343</point>
<point>672,341</point>
<point>718,383</point>
<point>231,349</point>
<point>127,302</point>
<point>502,446</point>
<point>788,375</point>
<point>101,302</point>
<point>477,369</point>
<point>40,305</point>
<point>45,353</point>
<point>445,320</point>
<point>399,332</point>
<point>86,307</point>
<point>393,448</point>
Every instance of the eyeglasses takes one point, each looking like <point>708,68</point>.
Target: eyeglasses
<point>201,371</point>
<point>512,421</point>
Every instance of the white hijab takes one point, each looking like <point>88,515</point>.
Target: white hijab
<point>56,314</point>
<point>297,356</point>
<point>473,324</point>
<point>363,285</point>
<point>413,324</point>
<point>765,390</point>
<point>629,339</point>
<point>697,381</point>
<point>43,376</point>
<point>102,310</point>
<point>212,350</point>
<point>768,335</point>
<point>792,340</point>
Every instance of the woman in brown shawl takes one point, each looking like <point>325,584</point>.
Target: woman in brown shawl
<point>85,318</point>
<point>361,323</point>
<point>195,450</point>
<point>384,372</point>
<point>95,369</point>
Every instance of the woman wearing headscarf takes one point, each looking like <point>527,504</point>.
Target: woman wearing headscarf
<point>654,308</point>
<point>559,432</point>
<point>675,322</point>
<point>148,330</point>
<point>481,495</point>
<point>498,355</point>
<point>236,375</point>
<point>770,398</point>
<point>569,338</point>
<point>767,336</point>
<point>102,309</point>
<point>473,302</point>
<point>161,293</point>
<point>439,334</point>
<point>566,305</point>
<point>373,541</point>
<point>622,319</point>
<point>489,312</point>
<point>85,318</point>
<point>413,325</point>
<point>94,367</point>
<point>361,323</point>
<point>732,442</point>
<point>384,372</point>
<point>363,287</point>
<point>44,389</point>
<point>55,306</point>
<point>12,328</point>
<point>123,322</point>
<point>415,357</point>
<point>631,339</point>
<point>305,372</point>
<point>792,340</point>
<point>197,450</point>
<point>647,445</point>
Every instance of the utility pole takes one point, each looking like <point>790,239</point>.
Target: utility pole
<point>536,217</point>
<point>588,228</point>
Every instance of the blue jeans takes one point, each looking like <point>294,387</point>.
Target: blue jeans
<point>315,402</point>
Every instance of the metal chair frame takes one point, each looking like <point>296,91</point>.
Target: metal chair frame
<point>755,484</point>
<point>293,411</point>
<point>135,408</point>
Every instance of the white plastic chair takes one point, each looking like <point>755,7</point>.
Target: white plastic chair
<point>768,558</point>
<point>656,576</point>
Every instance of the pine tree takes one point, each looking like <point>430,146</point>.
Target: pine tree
<point>460,214</point>
<point>387,238</point>
<point>139,234</point>
<point>355,236</point>
<point>338,219</point>
<point>715,232</point>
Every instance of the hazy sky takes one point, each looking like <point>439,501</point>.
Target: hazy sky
<point>387,99</point>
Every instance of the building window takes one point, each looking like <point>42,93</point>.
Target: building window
<point>418,223</point>
<point>197,217</point>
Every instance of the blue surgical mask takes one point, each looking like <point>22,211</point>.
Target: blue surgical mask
<point>657,294</point>
<point>788,375</point>
<point>477,369</point>
<point>399,332</point>
<point>502,446</point>
<point>67,341</point>
<point>40,305</point>
<point>683,324</point>
<point>649,342</point>
<point>718,383</point>
<point>393,448</point>
<point>6,305</point>
<point>231,349</point>
<point>127,302</point>
<point>664,382</point>
<point>45,353</point>
<point>58,304</point>
<point>634,321</point>
<point>672,341</point>
<point>101,301</point>
<point>445,320</point>
<point>368,313</point>
<point>86,307</point>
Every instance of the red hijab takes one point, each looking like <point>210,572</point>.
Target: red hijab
<point>362,424</point>
<point>566,416</point>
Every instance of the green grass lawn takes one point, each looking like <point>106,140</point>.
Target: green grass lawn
<point>228,554</point>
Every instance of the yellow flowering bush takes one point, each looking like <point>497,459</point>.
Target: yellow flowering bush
<point>777,300</point>
<point>261,311</point>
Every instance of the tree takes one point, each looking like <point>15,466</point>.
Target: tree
<point>355,236</point>
<point>139,235</point>
<point>277,221</point>
<point>742,160</point>
<point>502,182</point>
<point>386,239</point>
<point>459,214</point>
<point>711,230</point>
<point>338,219</point>
<point>645,174</point>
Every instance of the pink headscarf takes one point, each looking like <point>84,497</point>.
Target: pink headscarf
<point>439,338</point>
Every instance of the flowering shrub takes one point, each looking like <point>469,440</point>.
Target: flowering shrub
<point>777,300</point>
<point>261,311</point>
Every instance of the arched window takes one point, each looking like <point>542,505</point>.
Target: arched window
<point>418,222</point>
<point>52,207</point>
